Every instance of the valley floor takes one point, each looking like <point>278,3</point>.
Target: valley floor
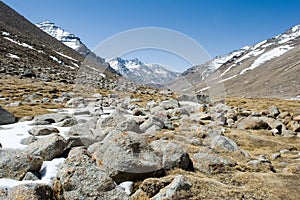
<point>238,148</point>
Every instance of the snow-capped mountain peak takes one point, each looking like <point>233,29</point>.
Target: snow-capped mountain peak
<point>153,74</point>
<point>65,37</point>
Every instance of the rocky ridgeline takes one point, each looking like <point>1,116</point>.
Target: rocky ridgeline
<point>117,149</point>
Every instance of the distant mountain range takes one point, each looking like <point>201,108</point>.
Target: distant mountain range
<point>150,74</point>
<point>269,68</point>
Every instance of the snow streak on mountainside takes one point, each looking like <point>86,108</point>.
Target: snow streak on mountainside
<point>65,37</point>
<point>150,74</point>
<point>251,69</point>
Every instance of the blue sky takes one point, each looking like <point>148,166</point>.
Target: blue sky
<point>220,26</point>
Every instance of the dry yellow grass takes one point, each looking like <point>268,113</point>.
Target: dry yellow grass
<point>260,104</point>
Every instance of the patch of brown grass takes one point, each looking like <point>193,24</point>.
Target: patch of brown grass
<point>260,104</point>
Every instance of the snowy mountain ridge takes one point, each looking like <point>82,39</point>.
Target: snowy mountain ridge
<point>151,74</point>
<point>235,57</point>
<point>65,37</point>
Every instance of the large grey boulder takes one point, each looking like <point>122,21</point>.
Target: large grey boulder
<point>48,147</point>
<point>31,191</point>
<point>173,155</point>
<point>79,177</point>
<point>127,156</point>
<point>14,164</point>
<point>6,117</point>
<point>223,144</point>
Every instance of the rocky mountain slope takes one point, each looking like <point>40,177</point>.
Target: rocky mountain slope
<point>27,51</point>
<point>150,74</point>
<point>65,37</point>
<point>267,69</point>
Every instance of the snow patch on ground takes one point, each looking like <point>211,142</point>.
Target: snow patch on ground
<point>68,57</point>
<point>126,186</point>
<point>55,59</point>
<point>10,55</point>
<point>259,44</point>
<point>226,79</point>
<point>5,33</point>
<point>97,70</point>
<point>268,56</point>
<point>49,169</point>
<point>12,134</point>
<point>19,43</point>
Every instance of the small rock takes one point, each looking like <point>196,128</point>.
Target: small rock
<point>169,104</point>
<point>129,125</point>
<point>204,116</point>
<point>253,123</point>
<point>170,191</point>
<point>26,118</point>
<point>15,104</point>
<point>284,151</point>
<point>42,130</point>
<point>28,73</point>
<point>113,96</point>
<point>283,115</point>
<point>28,140</point>
<point>275,156</point>
<point>294,126</point>
<point>81,112</point>
<point>275,132</point>
<point>32,176</point>
<point>274,111</point>
<point>45,100</point>
<point>138,112</point>
<point>152,121</point>
<point>52,117</point>
<point>68,122</point>
<point>296,118</point>
<point>31,191</point>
